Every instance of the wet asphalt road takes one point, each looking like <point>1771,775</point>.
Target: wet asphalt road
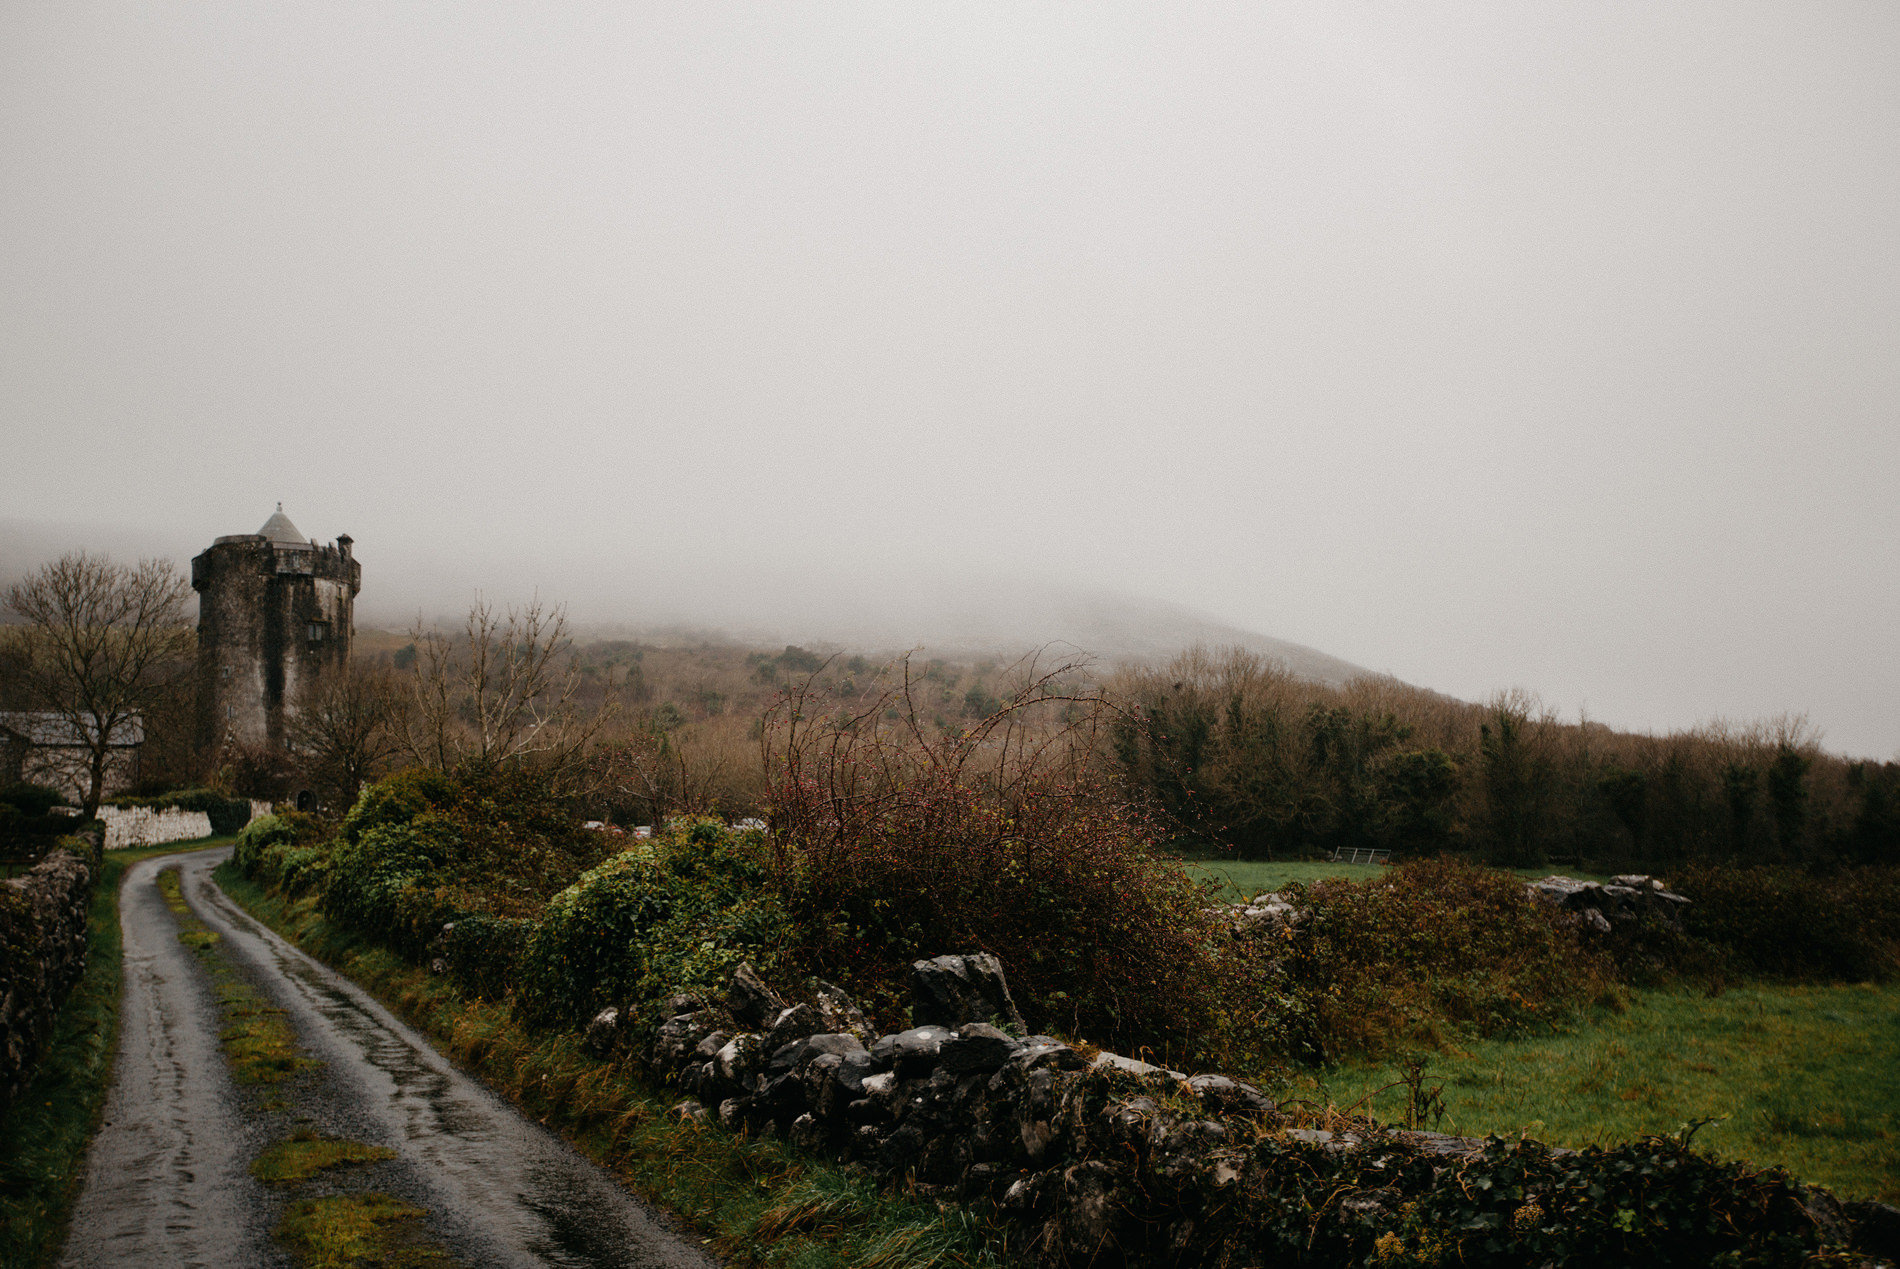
<point>167,1180</point>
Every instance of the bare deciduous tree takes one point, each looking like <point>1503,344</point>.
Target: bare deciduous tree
<point>101,645</point>
<point>500,693</point>
<point>846,775</point>
<point>346,729</point>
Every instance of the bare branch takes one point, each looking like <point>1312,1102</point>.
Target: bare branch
<point>101,644</point>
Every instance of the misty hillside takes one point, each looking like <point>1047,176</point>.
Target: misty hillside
<point>960,616</point>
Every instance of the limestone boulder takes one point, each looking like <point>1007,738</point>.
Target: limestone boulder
<point>603,1029</point>
<point>949,991</point>
<point>752,1004</point>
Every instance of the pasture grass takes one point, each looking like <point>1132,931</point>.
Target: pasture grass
<point>43,1136</point>
<point>1805,1077</point>
<point>754,1202</point>
<point>1245,878</point>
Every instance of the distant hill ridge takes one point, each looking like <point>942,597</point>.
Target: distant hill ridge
<point>954,615</point>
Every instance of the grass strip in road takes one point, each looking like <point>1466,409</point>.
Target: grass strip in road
<point>304,1154</point>
<point>43,1137</point>
<point>758,1203</point>
<point>334,1232</point>
<point>349,1231</point>
<point>258,1041</point>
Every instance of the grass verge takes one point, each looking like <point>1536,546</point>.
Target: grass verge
<point>755,1202</point>
<point>1805,1077</point>
<point>43,1137</point>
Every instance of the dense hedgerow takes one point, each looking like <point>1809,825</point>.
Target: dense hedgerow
<point>1517,1203</point>
<point>677,912</point>
<point>284,849</point>
<point>26,798</point>
<point>1422,952</point>
<point>486,874</point>
<point>1788,923</point>
<point>484,849</point>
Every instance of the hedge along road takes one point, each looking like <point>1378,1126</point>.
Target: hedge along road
<point>168,1177</point>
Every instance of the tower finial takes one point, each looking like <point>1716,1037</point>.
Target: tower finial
<point>280,506</point>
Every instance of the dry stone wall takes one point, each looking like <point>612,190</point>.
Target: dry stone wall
<point>43,934</point>
<point>1101,1160</point>
<point>1091,1153</point>
<point>143,826</point>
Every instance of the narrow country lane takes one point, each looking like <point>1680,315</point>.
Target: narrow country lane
<point>168,1179</point>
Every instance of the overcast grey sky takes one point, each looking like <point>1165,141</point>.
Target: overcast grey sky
<point>1546,345</point>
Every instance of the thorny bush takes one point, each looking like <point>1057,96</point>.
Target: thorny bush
<point>894,838</point>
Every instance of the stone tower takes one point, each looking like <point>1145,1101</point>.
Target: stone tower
<point>274,617</point>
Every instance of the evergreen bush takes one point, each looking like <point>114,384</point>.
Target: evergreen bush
<point>677,912</point>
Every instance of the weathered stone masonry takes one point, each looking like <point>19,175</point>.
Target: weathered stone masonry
<point>275,615</point>
<point>43,937</point>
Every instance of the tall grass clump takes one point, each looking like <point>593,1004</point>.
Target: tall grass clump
<point>895,838</point>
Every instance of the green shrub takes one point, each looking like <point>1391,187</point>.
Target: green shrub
<point>484,952</point>
<point>302,868</point>
<point>422,848</point>
<point>283,849</point>
<point>32,833</point>
<point>398,799</point>
<point>384,881</point>
<point>678,912</point>
<point>1423,952</point>
<point>31,799</point>
<point>258,837</point>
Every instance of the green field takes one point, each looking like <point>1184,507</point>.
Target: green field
<point>1808,1077</point>
<point>1245,878</point>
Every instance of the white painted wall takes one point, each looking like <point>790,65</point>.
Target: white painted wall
<point>142,826</point>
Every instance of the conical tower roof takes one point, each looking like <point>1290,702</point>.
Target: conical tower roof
<point>280,530</point>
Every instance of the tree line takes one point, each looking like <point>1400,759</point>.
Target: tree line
<point>1249,759</point>
<point>1239,755</point>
